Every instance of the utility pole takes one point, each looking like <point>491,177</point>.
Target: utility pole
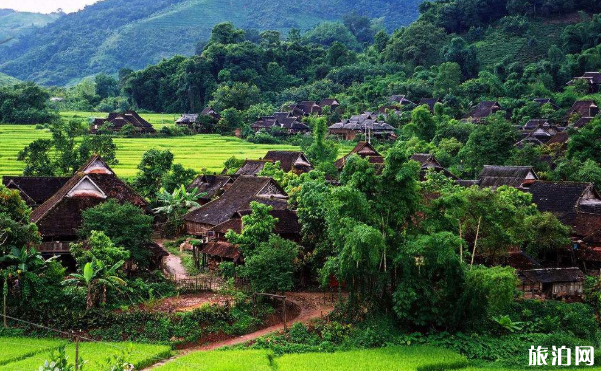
<point>76,353</point>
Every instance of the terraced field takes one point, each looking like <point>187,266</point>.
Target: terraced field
<point>26,354</point>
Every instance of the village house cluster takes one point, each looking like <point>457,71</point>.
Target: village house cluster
<point>58,202</point>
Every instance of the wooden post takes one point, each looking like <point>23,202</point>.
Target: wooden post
<point>4,311</point>
<point>285,325</point>
<point>76,353</point>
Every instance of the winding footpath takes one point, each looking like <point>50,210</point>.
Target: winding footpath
<point>312,306</point>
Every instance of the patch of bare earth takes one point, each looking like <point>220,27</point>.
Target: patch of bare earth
<point>302,307</point>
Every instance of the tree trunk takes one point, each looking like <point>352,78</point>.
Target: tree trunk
<point>476,242</point>
<point>89,301</point>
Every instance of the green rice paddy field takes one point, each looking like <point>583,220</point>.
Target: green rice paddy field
<point>417,358</point>
<point>27,354</point>
<point>198,152</point>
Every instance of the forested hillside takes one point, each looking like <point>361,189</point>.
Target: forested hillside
<point>14,25</point>
<point>113,34</point>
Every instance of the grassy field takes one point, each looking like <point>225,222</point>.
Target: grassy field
<point>384,359</point>
<point>235,360</point>
<point>26,354</point>
<point>198,152</point>
<point>15,349</point>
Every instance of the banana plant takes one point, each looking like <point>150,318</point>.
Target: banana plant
<point>96,281</point>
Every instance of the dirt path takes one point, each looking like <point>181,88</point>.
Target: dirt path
<point>312,306</point>
<point>173,263</point>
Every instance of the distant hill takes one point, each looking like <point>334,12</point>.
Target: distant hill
<point>112,34</point>
<point>14,25</point>
<point>7,80</point>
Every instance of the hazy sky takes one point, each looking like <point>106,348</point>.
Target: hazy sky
<point>45,6</point>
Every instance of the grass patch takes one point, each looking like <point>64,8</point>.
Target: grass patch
<point>383,359</point>
<point>237,360</point>
<point>15,349</point>
<point>95,354</point>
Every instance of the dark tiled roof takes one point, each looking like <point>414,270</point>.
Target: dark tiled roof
<point>427,162</point>
<point>119,120</point>
<point>362,123</point>
<point>585,108</point>
<point>238,197</point>
<point>559,198</point>
<point>35,190</point>
<point>582,122</point>
<point>209,111</point>
<point>466,182</point>
<point>60,215</point>
<point>561,138</point>
<point>483,110</point>
<point>287,223</point>
<point>496,176</point>
<point>187,118</point>
<point>552,275</point>
<point>364,150</point>
<point>329,102</point>
<point>223,250</point>
<point>211,185</point>
<point>431,102</point>
<point>287,160</point>
<point>251,167</point>
<point>400,99</point>
<point>234,224</point>
<point>535,123</point>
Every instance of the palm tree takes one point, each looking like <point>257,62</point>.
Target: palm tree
<point>94,279</point>
<point>176,204</point>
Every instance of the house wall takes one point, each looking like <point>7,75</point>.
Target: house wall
<point>197,229</point>
<point>567,289</point>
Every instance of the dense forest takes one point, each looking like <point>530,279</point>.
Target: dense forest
<point>112,34</point>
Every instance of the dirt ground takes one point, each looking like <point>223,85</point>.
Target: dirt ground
<point>302,307</point>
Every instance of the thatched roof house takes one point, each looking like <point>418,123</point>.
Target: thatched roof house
<point>34,190</point>
<point>116,121</point>
<point>429,162</point>
<point>520,177</point>
<point>284,122</point>
<point>552,282</point>
<point>430,102</point>
<point>187,119</point>
<point>584,108</point>
<point>593,79</point>
<point>210,186</point>
<point>251,167</point>
<point>294,161</point>
<point>576,204</point>
<point>483,110</point>
<point>366,123</point>
<point>237,197</point>
<point>400,100</point>
<point>60,216</point>
<point>364,150</point>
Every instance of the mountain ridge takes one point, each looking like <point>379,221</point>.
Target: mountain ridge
<point>114,34</point>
